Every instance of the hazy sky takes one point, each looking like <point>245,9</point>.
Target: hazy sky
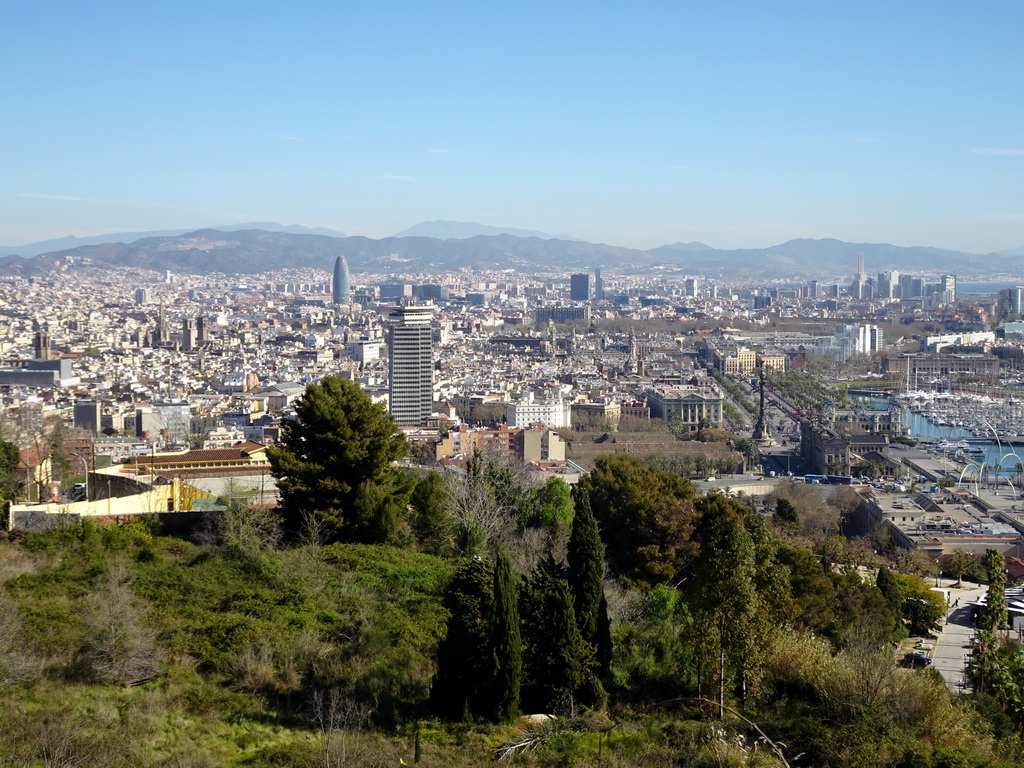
<point>740,124</point>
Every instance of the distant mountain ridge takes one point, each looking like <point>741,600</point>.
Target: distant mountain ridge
<point>71,241</point>
<point>257,250</point>
<point>463,230</point>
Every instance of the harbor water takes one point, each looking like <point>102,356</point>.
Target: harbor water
<point>992,453</point>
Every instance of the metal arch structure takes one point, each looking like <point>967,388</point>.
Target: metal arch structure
<point>977,474</point>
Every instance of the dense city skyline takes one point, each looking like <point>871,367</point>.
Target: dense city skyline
<point>738,127</point>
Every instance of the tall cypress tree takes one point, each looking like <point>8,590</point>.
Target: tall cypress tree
<point>461,685</point>
<point>552,646</point>
<point>586,582</point>
<point>893,593</point>
<point>506,642</point>
<point>586,565</point>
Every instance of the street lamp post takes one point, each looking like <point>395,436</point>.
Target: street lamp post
<point>85,466</point>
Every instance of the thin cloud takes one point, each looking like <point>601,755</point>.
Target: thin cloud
<point>395,177</point>
<point>65,198</point>
<point>144,204</point>
<point>998,152</point>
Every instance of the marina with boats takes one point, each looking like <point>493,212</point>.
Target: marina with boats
<point>981,432</point>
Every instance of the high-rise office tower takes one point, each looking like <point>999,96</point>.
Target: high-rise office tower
<point>87,415</point>
<point>141,296</point>
<point>947,283</point>
<point>888,284</point>
<point>41,345</point>
<point>859,287</point>
<point>411,364</point>
<point>579,287</point>
<point>598,285</point>
<point>339,286</point>
<point>1017,300</point>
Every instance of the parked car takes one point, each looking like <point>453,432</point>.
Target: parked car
<point>917,660</point>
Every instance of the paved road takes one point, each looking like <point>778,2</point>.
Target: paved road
<point>954,642</point>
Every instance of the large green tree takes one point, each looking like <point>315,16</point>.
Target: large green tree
<point>334,462</point>
<point>723,593</point>
<point>431,523</point>
<point>10,457</point>
<point>646,517</point>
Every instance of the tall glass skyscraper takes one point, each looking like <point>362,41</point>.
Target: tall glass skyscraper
<point>339,287</point>
<point>579,287</point>
<point>411,365</point>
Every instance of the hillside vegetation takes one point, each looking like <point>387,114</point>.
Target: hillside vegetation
<point>728,643</point>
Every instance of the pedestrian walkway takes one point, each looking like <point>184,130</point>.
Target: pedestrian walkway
<point>953,645</point>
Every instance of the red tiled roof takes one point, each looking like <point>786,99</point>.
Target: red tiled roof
<point>234,453</point>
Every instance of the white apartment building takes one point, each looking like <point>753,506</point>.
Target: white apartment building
<point>553,413</point>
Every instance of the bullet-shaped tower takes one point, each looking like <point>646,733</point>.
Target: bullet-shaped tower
<point>339,287</point>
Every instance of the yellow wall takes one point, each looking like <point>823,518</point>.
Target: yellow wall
<point>146,503</point>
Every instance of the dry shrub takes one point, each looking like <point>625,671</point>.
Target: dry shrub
<point>15,561</point>
<point>17,665</point>
<point>253,669</point>
<point>190,759</point>
<point>920,701</point>
<point>53,739</point>
<point>624,605</point>
<point>797,659</point>
<point>858,678</point>
<point>529,548</point>
<point>344,741</point>
<point>281,670</point>
<point>118,645</point>
<point>862,678</point>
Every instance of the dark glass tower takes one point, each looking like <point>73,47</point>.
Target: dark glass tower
<point>339,287</point>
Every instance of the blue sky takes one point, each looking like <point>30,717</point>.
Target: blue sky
<point>740,125</point>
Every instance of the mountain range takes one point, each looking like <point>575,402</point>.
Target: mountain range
<point>259,249</point>
<point>69,242</point>
<point>463,230</point>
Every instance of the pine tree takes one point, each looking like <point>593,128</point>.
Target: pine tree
<point>330,456</point>
<point>506,643</point>
<point>784,510</point>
